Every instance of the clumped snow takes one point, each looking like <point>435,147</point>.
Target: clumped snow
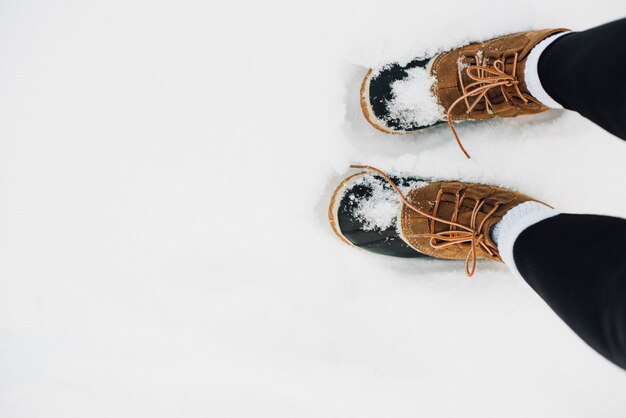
<point>413,103</point>
<point>379,211</point>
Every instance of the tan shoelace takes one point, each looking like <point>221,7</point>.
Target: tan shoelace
<point>484,79</point>
<point>458,233</point>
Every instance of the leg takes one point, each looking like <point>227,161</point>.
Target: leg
<point>585,72</point>
<point>577,264</point>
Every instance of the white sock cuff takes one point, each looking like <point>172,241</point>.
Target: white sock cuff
<point>514,222</point>
<point>531,73</point>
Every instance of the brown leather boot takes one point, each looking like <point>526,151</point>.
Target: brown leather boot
<point>479,81</point>
<point>412,217</point>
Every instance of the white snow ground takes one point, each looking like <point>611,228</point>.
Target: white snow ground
<point>164,174</point>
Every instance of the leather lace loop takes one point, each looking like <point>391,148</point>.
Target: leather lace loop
<point>458,233</point>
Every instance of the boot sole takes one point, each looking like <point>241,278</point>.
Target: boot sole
<point>333,207</point>
<point>366,107</point>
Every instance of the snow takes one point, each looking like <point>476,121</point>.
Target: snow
<point>413,103</point>
<point>165,170</point>
<point>379,211</point>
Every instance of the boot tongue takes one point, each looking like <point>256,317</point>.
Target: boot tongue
<point>487,58</point>
<point>445,211</point>
<point>462,212</point>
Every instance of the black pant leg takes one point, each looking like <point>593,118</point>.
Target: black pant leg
<point>577,264</point>
<point>586,72</point>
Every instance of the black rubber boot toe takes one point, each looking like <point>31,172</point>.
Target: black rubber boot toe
<point>357,228</point>
<point>381,94</point>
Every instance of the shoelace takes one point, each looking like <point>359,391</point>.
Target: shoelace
<point>484,79</point>
<point>458,233</point>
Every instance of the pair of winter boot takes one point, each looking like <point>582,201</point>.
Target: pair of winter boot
<point>406,216</point>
